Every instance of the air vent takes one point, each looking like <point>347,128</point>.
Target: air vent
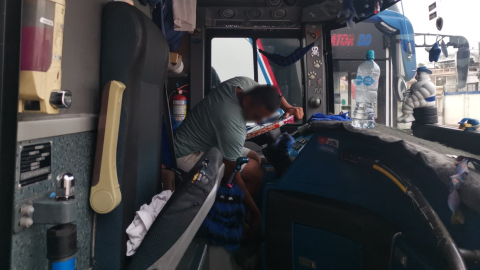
<point>228,23</point>
<point>227,13</point>
<point>279,13</point>
<point>276,24</point>
<point>274,2</point>
<point>254,13</point>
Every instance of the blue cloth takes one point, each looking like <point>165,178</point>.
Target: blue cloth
<point>166,156</point>
<point>471,121</point>
<point>474,122</point>
<point>430,99</point>
<point>285,61</point>
<point>434,53</point>
<point>162,16</point>
<point>404,26</point>
<point>323,117</point>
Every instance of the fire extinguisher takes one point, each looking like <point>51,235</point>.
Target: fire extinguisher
<point>178,105</point>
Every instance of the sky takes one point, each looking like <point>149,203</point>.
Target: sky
<point>236,60</point>
<point>232,57</point>
<point>460,17</point>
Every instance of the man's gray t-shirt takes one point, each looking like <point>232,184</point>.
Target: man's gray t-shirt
<point>217,121</point>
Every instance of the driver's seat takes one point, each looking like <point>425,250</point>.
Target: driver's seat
<point>135,52</point>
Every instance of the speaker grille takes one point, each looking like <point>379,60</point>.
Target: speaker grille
<point>227,13</point>
<point>274,2</point>
<point>279,13</point>
<point>290,2</point>
<point>330,10</point>
<point>254,13</point>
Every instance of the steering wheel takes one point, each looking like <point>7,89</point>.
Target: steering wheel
<point>445,243</point>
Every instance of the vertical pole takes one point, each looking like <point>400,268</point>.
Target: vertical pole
<point>388,88</point>
<point>10,37</point>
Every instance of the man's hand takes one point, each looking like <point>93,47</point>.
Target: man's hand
<point>295,111</point>
<point>254,226</point>
<point>250,206</point>
<point>290,110</point>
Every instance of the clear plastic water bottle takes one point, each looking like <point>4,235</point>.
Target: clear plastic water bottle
<point>368,74</point>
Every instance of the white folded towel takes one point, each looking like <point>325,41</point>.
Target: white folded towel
<point>184,15</point>
<point>144,219</point>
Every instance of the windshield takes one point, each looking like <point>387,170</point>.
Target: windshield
<point>243,53</point>
<point>440,37</point>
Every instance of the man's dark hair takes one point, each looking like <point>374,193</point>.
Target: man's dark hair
<point>265,95</point>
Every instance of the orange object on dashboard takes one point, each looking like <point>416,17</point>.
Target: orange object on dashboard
<point>262,129</point>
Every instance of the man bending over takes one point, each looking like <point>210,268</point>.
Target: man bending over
<point>219,120</point>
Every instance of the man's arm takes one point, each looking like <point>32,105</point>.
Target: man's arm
<point>230,144</point>
<point>289,109</point>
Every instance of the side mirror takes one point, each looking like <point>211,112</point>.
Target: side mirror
<point>463,62</point>
<point>401,88</point>
<point>439,23</point>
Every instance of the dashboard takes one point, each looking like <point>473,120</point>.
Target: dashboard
<point>299,144</point>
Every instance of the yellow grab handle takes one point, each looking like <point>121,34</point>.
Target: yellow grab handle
<point>105,193</point>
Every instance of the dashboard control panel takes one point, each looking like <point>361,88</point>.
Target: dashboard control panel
<point>315,70</point>
<point>256,24</point>
<point>256,17</point>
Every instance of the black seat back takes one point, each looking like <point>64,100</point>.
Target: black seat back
<point>134,52</point>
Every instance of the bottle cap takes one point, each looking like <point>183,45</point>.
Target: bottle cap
<point>370,55</point>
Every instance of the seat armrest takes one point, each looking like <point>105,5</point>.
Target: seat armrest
<point>175,227</point>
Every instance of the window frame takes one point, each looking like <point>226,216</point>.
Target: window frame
<point>473,85</point>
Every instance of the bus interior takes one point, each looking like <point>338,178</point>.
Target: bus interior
<point>93,91</point>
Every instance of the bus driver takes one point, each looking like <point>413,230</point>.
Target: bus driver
<point>219,120</point>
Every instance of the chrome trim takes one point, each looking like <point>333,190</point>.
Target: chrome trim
<point>203,259</point>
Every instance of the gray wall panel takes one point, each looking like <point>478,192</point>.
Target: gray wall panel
<point>75,152</point>
<point>81,54</point>
<point>72,153</point>
<point>81,57</point>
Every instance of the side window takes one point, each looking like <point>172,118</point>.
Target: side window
<point>471,87</point>
<point>231,57</point>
